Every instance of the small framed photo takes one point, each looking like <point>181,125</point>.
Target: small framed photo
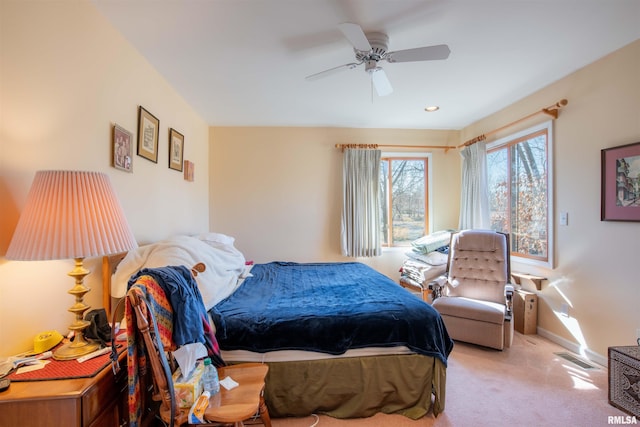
<point>122,148</point>
<point>189,171</point>
<point>148,126</point>
<point>620,186</point>
<point>176,149</point>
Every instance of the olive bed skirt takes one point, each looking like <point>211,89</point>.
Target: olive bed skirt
<point>357,387</point>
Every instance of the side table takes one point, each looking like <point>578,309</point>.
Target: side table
<point>98,401</point>
<point>81,402</point>
<point>624,378</point>
<point>412,285</point>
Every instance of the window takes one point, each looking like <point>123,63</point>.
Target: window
<point>403,200</point>
<point>519,172</point>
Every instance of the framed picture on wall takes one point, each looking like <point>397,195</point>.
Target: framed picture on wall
<point>189,171</point>
<point>122,149</point>
<point>148,126</point>
<point>176,149</point>
<point>620,186</point>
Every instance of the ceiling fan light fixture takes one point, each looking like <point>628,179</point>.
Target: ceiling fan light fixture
<point>431,108</point>
<point>371,66</point>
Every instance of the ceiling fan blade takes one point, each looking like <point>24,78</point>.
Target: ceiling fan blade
<point>427,53</point>
<point>330,71</point>
<point>381,82</point>
<point>355,35</point>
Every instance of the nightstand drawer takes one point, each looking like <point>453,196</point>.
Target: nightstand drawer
<point>40,412</point>
<point>102,398</point>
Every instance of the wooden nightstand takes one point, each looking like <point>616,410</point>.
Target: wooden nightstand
<point>100,401</point>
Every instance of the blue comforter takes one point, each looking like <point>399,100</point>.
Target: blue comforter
<point>329,308</point>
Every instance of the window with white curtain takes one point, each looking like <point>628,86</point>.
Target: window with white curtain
<point>520,180</point>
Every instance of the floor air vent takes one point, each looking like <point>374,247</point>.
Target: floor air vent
<point>573,359</point>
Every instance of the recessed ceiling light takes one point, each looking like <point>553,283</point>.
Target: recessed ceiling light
<point>431,108</point>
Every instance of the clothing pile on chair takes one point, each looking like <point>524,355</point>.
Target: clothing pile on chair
<point>426,261</point>
<point>174,304</point>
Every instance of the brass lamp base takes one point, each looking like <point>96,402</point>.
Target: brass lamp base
<point>70,351</point>
<point>80,346</point>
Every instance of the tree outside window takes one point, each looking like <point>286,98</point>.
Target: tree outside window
<point>519,193</point>
<point>403,197</point>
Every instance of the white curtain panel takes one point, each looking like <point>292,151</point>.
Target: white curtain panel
<point>474,202</point>
<point>360,234</point>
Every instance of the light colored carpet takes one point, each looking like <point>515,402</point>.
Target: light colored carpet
<point>525,385</point>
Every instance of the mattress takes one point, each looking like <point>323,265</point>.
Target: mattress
<point>326,308</point>
<point>236,356</point>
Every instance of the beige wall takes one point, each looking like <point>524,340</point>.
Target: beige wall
<point>62,87</point>
<point>595,261</point>
<point>278,190</point>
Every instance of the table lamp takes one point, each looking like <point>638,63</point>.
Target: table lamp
<point>71,214</point>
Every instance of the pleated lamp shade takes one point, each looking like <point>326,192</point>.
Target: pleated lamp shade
<point>70,214</point>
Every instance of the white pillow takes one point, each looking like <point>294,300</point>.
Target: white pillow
<point>216,238</point>
<point>224,264</point>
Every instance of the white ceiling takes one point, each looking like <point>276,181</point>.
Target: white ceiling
<point>244,62</point>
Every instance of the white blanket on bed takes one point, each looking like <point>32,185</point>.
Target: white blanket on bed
<point>225,265</point>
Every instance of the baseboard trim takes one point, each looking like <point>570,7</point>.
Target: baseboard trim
<point>574,347</point>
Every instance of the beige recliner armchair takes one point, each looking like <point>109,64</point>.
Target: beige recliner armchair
<point>474,298</point>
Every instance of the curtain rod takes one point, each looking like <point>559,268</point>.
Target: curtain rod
<point>551,110</point>
<point>376,146</point>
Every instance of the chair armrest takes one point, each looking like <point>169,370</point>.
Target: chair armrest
<point>436,286</point>
<point>508,297</point>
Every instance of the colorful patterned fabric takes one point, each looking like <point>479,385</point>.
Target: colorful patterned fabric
<point>179,312</point>
<point>147,287</point>
<point>213,349</point>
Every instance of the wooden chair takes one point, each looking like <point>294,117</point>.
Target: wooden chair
<point>244,402</point>
<point>240,403</point>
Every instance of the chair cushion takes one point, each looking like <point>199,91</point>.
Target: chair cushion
<point>478,265</point>
<point>482,311</point>
<point>478,240</point>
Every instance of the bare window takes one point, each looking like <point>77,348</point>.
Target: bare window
<point>403,197</point>
<point>519,173</point>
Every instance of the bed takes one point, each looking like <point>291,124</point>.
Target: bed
<point>339,338</point>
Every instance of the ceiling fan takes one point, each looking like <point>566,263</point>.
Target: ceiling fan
<point>371,48</point>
